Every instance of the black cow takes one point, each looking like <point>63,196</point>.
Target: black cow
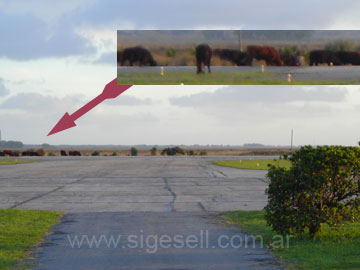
<point>203,56</point>
<point>290,60</point>
<point>345,58</point>
<point>136,56</point>
<point>74,153</point>
<point>236,57</point>
<point>63,153</point>
<point>322,56</point>
<point>2,154</point>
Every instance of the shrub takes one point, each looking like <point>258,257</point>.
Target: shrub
<point>290,50</point>
<point>173,151</point>
<point>154,151</point>
<point>114,154</point>
<point>51,154</point>
<point>203,153</point>
<point>171,52</point>
<point>191,153</point>
<point>340,45</point>
<point>95,153</point>
<point>133,151</point>
<point>321,187</point>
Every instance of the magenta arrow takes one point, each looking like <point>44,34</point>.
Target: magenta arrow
<point>111,90</point>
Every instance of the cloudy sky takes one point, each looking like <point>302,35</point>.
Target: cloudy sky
<point>55,59</point>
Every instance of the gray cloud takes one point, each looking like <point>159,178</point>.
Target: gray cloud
<point>129,101</point>
<point>37,103</point>
<point>261,94</point>
<point>3,90</point>
<point>107,59</point>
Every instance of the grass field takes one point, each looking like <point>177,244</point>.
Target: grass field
<point>8,161</point>
<point>330,249</point>
<point>243,78</point>
<point>252,164</point>
<point>20,230</point>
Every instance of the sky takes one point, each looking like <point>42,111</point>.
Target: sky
<point>55,59</point>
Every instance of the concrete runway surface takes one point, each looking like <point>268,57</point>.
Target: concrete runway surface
<point>146,197</point>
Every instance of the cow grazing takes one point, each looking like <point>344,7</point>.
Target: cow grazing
<point>2,154</point>
<point>203,56</point>
<point>322,56</point>
<point>11,153</point>
<point>63,153</point>
<point>75,153</point>
<point>346,58</point>
<point>269,54</point>
<point>234,56</point>
<point>136,56</point>
<point>290,60</point>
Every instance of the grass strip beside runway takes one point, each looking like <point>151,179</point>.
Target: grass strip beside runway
<point>20,230</point>
<point>252,164</point>
<point>8,161</point>
<point>330,249</point>
<point>243,78</point>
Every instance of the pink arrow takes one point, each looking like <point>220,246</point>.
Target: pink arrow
<point>111,90</point>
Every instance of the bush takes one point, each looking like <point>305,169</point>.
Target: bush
<point>321,187</point>
<point>340,45</point>
<point>191,153</point>
<point>133,151</point>
<point>154,151</point>
<point>95,153</point>
<point>203,153</point>
<point>290,50</point>
<point>114,154</point>
<point>173,151</point>
<point>171,52</point>
<point>51,154</point>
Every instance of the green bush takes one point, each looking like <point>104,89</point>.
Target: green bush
<point>322,186</point>
<point>114,154</point>
<point>173,151</point>
<point>95,153</point>
<point>133,151</point>
<point>191,153</point>
<point>290,50</point>
<point>171,52</point>
<point>340,45</point>
<point>154,151</point>
<point>203,153</point>
<point>51,154</point>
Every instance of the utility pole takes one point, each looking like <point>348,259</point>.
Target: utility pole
<point>292,139</point>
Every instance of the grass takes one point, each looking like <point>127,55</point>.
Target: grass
<point>20,230</point>
<point>253,164</point>
<point>331,249</point>
<point>8,161</point>
<point>243,78</point>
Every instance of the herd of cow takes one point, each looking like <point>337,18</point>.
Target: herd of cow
<point>203,52</point>
<point>33,153</point>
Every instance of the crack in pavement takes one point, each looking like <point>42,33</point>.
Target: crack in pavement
<point>44,194</point>
<point>173,194</point>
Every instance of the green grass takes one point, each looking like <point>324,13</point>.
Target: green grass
<point>244,78</point>
<point>252,164</point>
<point>8,161</point>
<point>330,249</point>
<point>20,230</point>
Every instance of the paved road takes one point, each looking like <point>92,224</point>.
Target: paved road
<point>298,73</point>
<point>144,198</point>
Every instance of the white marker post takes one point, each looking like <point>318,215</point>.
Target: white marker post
<point>162,71</point>
<point>262,68</point>
<point>289,78</point>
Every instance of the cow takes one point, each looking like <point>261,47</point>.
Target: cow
<point>236,57</point>
<point>290,60</point>
<point>345,58</point>
<point>203,54</point>
<point>267,53</point>
<point>136,56</point>
<point>63,153</point>
<point>75,153</point>
<point>10,153</point>
<point>2,154</point>
<point>322,56</point>
<point>32,153</point>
